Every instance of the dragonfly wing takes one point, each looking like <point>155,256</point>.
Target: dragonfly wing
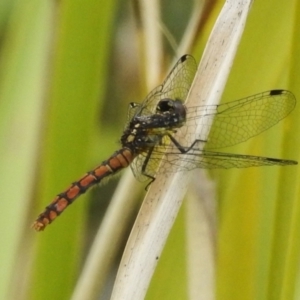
<point>136,167</point>
<point>179,81</point>
<point>146,163</point>
<point>215,160</point>
<point>235,122</point>
<point>218,160</point>
<point>147,107</point>
<point>175,86</point>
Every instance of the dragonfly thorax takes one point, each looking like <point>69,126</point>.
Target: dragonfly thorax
<point>146,131</point>
<point>139,137</point>
<point>169,114</point>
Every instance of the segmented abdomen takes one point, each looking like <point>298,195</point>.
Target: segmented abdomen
<point>119,160</point>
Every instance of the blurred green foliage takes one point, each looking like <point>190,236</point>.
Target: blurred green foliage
<point>68,71</point>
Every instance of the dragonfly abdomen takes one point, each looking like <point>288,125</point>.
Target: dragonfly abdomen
<point>119,160</point>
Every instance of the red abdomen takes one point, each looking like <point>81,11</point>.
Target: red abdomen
<point>119,160</point>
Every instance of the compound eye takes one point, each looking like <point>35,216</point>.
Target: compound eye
<point>165,105</point>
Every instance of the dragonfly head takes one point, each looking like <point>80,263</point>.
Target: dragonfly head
<point>173,108</point>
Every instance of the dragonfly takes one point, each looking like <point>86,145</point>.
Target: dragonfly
<point>148,138</point>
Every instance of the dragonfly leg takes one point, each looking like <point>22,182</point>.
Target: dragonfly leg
<point>144,166</point>
<point>150,182</point>
<point>183,149</point>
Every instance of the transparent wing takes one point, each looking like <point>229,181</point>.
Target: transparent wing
<point>175,86</point>
<point>197,158</point>
<point>139,166</point>
<point>218,160</point>
<point>235,122</point>
<point>232,123</point>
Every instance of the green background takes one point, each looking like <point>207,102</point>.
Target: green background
<point>68,70</point>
